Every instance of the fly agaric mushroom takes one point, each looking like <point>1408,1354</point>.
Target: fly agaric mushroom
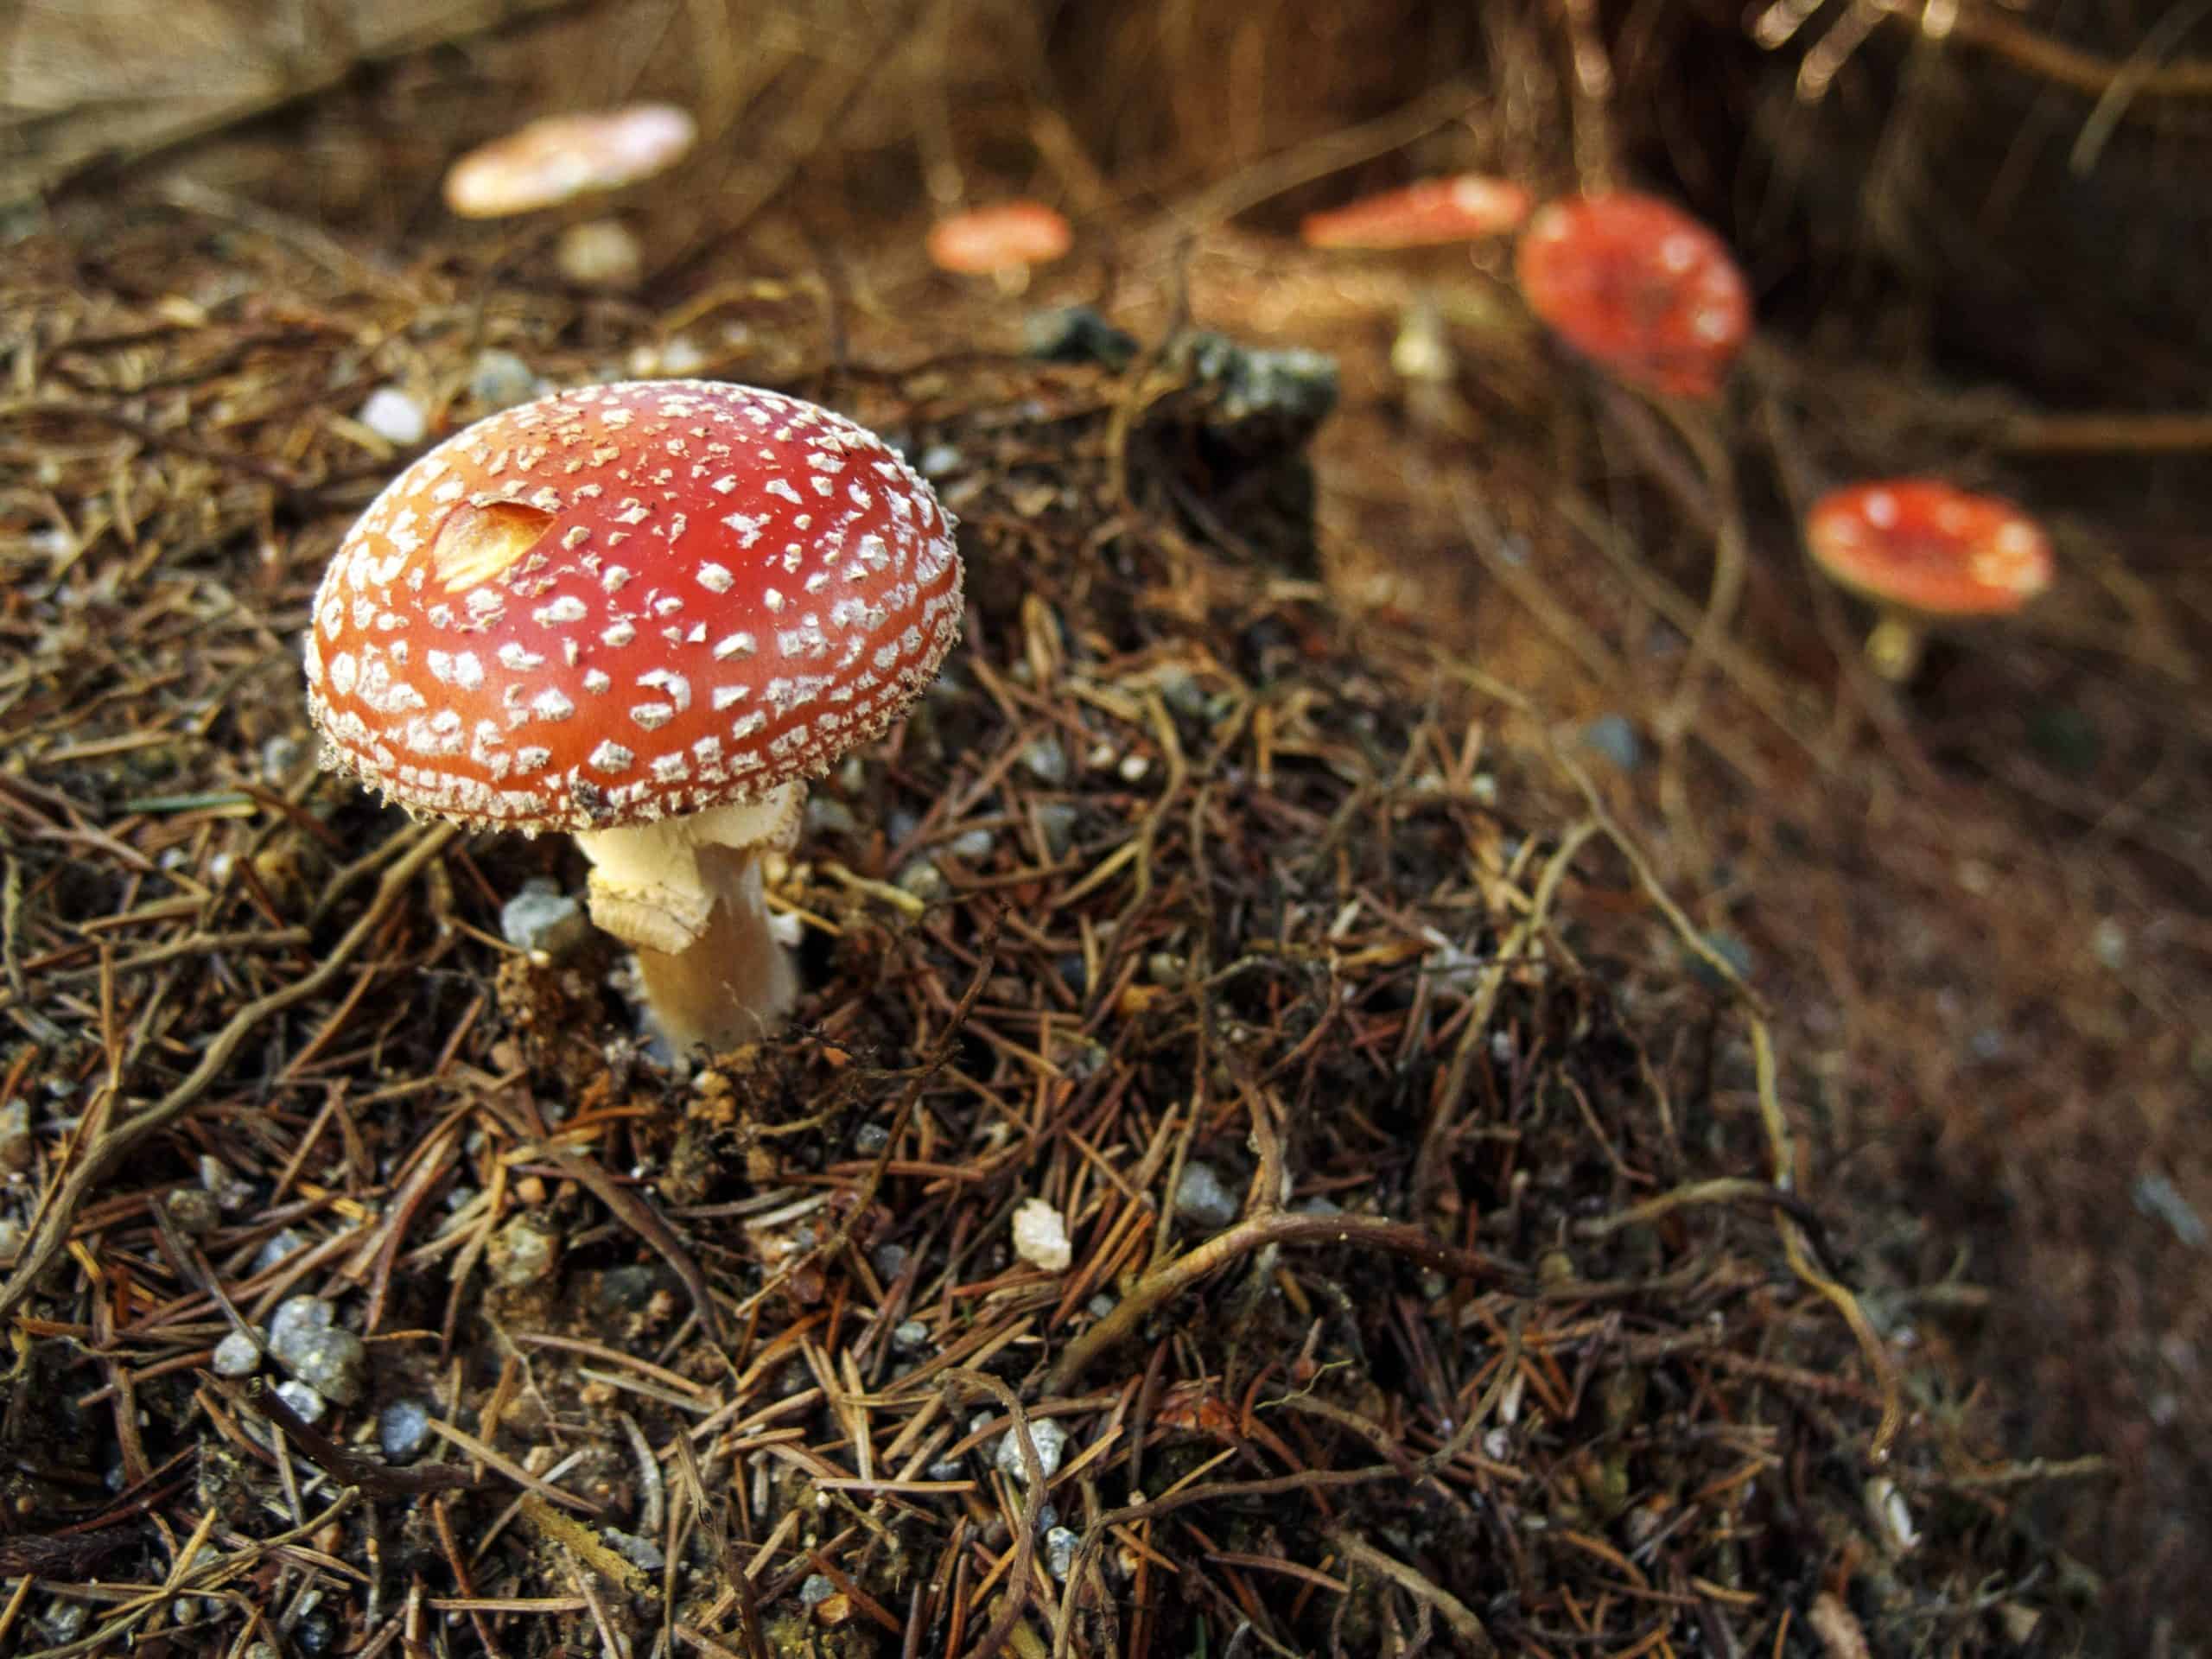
<point>1000,242</point>
<point>1919,549</point>
<point>1639,287</point>
<point>556,158</point>
<point>1429,214</point>
<point>643,614</point>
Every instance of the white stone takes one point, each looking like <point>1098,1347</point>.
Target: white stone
<point>394,416</point>
<point>1040,1236</point>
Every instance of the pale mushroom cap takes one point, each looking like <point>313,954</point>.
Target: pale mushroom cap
<point>1639,287</point>
<point>1458,208</point>
<point>622,603</point>
<point>1923,545</point>
<point>1003,237</point>
<point>560,156</point>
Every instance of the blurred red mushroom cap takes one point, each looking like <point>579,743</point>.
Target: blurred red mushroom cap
<point>1459,208</point>
<point>559,157</point>
<point>1003,237</point>
<point>1923,545</point>
<point>1639,287</point>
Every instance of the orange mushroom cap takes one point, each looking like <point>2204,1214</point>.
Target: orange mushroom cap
<point>1639,287</point>
<point>559,157</point>
<point>1919,543</point>
<point>999,238</point>
<point>1459,208</point>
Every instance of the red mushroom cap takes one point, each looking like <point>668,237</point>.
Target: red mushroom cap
<point>1456,209</point>
<point>1639,287</point>
<point>625,602</point>
<point>559,157</point>
<point>999,238</point>
<point>1919,543</point>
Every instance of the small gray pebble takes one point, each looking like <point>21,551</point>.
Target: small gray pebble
<point>402,1430</point>
<point>1059,1551</point>
<point>1101,1305</point>
<point>889,1261</point>
<point>499,379</point>
<point>818,1588</point>
<point>922,879</point>
<point>1614,737</point>
<point>306,1403</point>
<point>298,1320</point>
<point>194,1210</point>
<point>335,1363</point>
<point>938,459</point>
<point>972,844</point>
<point>871,1138</point>
<point>65,1621</point>
<point>640,1553</point>
<point>237,1354</point>
<point>523,1251</point>
<point>1201,1198</point>
<point>543,918</point>
<point>1046,760</point>
<point>911,1338</point>
<point>1051,1441</point>
<point>286,1242</point>
<point>1057,822</point>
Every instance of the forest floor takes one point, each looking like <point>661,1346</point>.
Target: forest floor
<point>1585,1121</point>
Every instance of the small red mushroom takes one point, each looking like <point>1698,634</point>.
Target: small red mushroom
<point>643,614</point>
<point>559,157</point>
<point>1002,242</point>
<point>1921,550</point>
<point>1639,287</point>
<point>1459,208</point>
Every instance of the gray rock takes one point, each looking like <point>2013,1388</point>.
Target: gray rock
<point>237,1354</point>
<point>1051,1441</point>
<point>1047,761</point>
<point>523,1251</point>
<point>402,1430</point>
<point>1615,738</point>
<point>1059,1551</point>
<point>816,1589</point>
<point>306,1403</point>
<point>335,1363</point>
<point>641,1553</point>
<point>911,1338</point>
<point>499,379</point>
<point>194,1210</point>
<point>297,1321</point>
<point>541,917</point>
<point>285,1243</point>
<point>1200,1198</point>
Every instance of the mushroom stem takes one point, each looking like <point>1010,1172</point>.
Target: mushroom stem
<point>735,981</point>
<point>685,893</point>
<point>1893,648</point>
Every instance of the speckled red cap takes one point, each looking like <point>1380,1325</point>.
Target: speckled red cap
<point>1929,547</point>
<point>1639,287</point>
<point>626,602</point>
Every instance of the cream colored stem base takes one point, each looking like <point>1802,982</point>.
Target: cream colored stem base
<point>686,894</point>
<point>735,984</point>
<point>1893,648</point>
